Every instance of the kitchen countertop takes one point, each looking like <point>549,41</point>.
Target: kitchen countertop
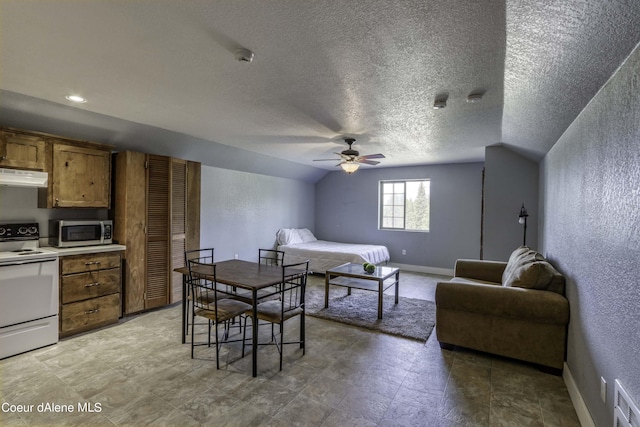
<point>86,249</point>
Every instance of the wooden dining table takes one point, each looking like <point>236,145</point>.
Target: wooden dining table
<point>247,275</point>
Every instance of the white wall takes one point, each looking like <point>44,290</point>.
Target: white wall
<point>347,211</point>
<point>21,205</point>
<point>241,211</point>
<point>591,231</point>
<point>510,180</point>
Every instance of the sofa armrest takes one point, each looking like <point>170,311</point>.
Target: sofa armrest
<point>510,302</point>
<point>488,271</point>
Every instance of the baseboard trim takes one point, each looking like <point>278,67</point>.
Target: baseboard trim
<point>576,398</point>
<point>423,269</point>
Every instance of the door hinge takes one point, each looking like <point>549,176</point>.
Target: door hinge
<point>145,230</point>
<point>146,164</point>
<point>145,296</point>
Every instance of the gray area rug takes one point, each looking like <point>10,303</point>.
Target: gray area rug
<point>410,318</point>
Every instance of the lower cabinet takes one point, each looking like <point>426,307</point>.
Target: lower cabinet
<point>90,287</point>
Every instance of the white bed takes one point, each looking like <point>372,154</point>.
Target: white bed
<point>300,244</point>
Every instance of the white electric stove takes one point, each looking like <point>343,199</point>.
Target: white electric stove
<point>28,290</point>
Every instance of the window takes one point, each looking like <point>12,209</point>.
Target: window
<point>405,205</point>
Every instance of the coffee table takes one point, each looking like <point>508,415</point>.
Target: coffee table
<point>353,276</point>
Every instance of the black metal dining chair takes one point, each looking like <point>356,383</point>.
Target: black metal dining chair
<point>204,256</point>
<point>270,257</point>
<point>289,304</point>
<point>210,301</point>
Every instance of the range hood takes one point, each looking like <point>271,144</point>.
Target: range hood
<point>22,178</point>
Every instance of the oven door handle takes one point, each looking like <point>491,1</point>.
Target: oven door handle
<point>36,261</point>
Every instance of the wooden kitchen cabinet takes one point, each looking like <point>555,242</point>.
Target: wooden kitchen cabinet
<point>79,171</point>
<point>157,216</point>
<point>90,291</point>
<point>21,150</point>
<point>80,176</point>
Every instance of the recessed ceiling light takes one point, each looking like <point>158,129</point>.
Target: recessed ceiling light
<point>76,98</point>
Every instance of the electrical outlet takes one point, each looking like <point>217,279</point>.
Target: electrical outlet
<point>235,256</point>
<point>603,389</point>
<point>404,252</point>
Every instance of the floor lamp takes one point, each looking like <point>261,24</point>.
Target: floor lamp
<point>522,219</point>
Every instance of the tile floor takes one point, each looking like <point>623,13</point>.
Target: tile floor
<point>137,373</point>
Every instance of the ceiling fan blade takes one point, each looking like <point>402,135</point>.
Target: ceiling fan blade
<point>368,162</point>
<point>325,160</point>
<point>373,156</point>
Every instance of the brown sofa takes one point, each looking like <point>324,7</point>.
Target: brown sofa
<point>515,309</point>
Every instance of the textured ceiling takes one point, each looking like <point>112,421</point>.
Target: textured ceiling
<point>325,69</point>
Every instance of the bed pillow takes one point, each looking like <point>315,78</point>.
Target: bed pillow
<point>306,235</point>
<point>283,236</point>
<point>288,236</point>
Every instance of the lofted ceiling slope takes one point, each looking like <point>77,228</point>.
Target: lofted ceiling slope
<point>322,70</point>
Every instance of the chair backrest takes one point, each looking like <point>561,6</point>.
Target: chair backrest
<point>204,256</point>
<point>202,284</point>
<point>294,284</point>
<point>270,257</point>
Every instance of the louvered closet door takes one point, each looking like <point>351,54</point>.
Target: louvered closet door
<point>178,224</point>
<point>158,243</point>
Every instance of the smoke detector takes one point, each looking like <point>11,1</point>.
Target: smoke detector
<point>243,55</point>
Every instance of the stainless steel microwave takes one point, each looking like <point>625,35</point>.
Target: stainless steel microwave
<point>70,233</point>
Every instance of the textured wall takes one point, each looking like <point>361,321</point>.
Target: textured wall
<point>509,181</point>
<point>242,212</point>
<point>21,204</point>
<point>591,187</point>
<point>347,211</point>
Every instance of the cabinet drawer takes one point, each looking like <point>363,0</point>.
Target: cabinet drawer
<point>89,314</point>
<point>89,262</point>
<point>91,284</point>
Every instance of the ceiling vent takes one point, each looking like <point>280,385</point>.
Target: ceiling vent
<point>439,104</point>
<point>474,98</point>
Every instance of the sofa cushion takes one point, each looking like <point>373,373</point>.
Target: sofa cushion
<point>514,262</point>
<point>512,303</point>
<point>531,274</point>
<point>473,281</point>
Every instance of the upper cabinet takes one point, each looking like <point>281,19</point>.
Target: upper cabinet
<point>81,177</point>
<point>79,171</point>
<point>20,150</point>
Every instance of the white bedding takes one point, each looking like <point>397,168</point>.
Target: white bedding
<point>324,255</point>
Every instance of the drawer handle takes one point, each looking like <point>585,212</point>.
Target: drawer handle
<point>88,285</point>
<point>92,263</point>
<point>92,311</point>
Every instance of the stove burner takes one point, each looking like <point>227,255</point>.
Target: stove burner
<point>22,250</point>
<point>28,252</point>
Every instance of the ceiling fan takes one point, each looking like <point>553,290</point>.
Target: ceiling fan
<point>351,159</point>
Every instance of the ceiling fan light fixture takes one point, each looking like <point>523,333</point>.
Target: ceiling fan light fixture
<point>350,167</point>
